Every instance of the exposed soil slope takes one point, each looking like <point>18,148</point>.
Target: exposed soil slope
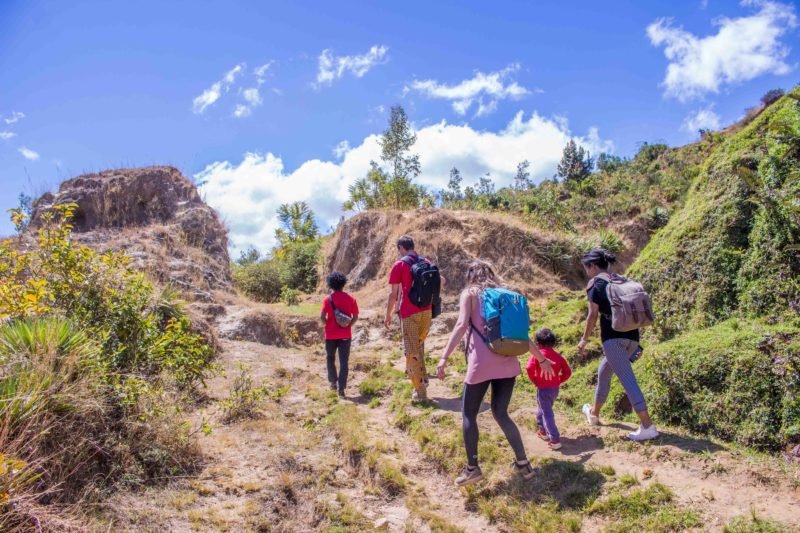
<point>156,215</point>
<point>533,261</point>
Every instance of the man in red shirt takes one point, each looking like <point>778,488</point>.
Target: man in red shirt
<point>415,322</point>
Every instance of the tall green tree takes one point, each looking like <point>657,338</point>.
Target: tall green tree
<point>576,163</point>
<point>452,195</point>
<point>297,224</point>
<point>396,144</point>
<point>522,179</point>
<point>394,187</point>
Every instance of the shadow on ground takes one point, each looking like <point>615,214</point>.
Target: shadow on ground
<point>569,483</point>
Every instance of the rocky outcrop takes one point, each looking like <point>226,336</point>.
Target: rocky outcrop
<point>156,216</point>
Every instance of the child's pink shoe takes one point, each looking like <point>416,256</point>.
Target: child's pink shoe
<point>554,445</point>
<point>542,434</point>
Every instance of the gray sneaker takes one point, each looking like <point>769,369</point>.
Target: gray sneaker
<point>469,476</point>
<point>419,396</point>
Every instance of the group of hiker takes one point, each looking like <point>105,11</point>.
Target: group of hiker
<point>493,329</point>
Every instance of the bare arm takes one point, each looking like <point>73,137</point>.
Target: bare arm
<point>462,325</point>
<point>591,322</point>
<point>391,306</point>
<point>547,366</point>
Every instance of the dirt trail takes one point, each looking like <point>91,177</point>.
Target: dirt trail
<point>285,471</point>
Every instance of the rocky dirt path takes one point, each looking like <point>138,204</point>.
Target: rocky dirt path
<point>285,470</point>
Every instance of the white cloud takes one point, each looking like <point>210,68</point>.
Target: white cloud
<point>241,111</point>
<point>484,89</point>
<point>332,68</point>
<point>704,118</point>
<point>6,135</point>
<point>743,48</point>
<point>28,154</point>
<point>253,99</point>
<point>248,193</point>
<point>16,116</point>
<point>252,96</point>
<point>213,93</point>
<point>261,72</point>
<point>341,149</point>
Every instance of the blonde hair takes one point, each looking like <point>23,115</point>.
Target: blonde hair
<point>480,274</point>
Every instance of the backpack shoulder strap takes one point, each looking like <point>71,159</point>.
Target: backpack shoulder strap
<point>409,260</point>
<point>477,332</point>
<point>333,305</point>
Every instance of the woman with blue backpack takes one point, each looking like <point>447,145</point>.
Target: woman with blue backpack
<point>495,323</point>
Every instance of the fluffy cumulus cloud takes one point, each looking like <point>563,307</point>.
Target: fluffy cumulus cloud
<point>15,116</point>
<point>742,49</point>
<point>6,135</point>
<point>704,118</point>
<point>332,68</point>
<point>482,91</point>
<point>210,96</point>
<point>248,193</point>
<point>28,154</point>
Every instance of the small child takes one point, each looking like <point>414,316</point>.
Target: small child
<point>547,388</point>
<point>338,308</point>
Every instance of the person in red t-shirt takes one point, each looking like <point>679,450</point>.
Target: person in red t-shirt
<point>415,322</point>
<point>547,387</point>
<point>336,336</point>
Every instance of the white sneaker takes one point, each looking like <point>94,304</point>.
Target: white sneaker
<point>644,433</point>
<point>593,420</point>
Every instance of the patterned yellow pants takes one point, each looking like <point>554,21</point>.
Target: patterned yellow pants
<point>415,330</point>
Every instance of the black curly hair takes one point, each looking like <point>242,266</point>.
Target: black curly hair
<point>546,338</point>
<point>337,281</point>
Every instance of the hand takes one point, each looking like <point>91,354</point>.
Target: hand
<point>547,369</point>
<point>582,346</point>
<point>440,368</point>
<point>388,322</point>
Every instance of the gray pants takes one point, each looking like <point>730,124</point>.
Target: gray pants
<point>616,361</point>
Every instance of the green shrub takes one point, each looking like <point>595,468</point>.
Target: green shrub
<point>244,399</point>
<point>262,280</point>
<point>290,296</point>
<point>737,380</point>
<point>88,345</point>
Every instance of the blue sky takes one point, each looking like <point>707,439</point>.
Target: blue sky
<point>90,85</point>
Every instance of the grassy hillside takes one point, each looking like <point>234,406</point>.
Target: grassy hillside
<point>724,273</point>
<point>733,247</point>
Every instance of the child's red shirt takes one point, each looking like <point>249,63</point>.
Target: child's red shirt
<point>560,367</point>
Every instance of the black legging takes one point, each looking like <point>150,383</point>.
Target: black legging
<point>471,404</point>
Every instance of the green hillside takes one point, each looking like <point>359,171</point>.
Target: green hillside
<point>733,248</point>
<point>724,272</point>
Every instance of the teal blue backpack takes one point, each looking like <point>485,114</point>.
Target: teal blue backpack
<point>507,322</point>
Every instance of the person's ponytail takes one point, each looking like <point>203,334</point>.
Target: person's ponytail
<point>599,257</point>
